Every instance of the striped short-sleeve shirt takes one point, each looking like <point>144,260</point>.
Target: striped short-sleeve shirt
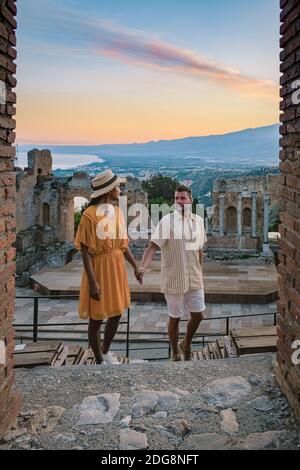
<point>180,239</point>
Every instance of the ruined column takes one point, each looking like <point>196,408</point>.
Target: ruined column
<point>253,214</point>
<point>207,226</point>
<point>221,214</point>
<point>239,216</point>
<point>266,248</point>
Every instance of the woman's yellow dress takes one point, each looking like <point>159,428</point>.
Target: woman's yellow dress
<point>106,237</point>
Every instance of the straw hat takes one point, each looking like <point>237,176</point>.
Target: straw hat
<point>105,182</point>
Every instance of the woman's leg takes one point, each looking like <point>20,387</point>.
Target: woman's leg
<point>94,339</point>
<point>111,327</point>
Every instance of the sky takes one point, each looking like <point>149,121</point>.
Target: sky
<point>123,71</point>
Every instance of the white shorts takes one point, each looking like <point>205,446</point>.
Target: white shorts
<point>182,305</point>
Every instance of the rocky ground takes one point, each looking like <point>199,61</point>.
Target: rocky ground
<point>222,404</point>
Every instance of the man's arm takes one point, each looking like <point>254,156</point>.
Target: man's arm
<point>201,257</point>
<point>148,256</point>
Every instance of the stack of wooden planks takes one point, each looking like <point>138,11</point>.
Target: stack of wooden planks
<point>43,353</point>
<point>255,340</point>
<point>241,341</point>
<point>77,355</point>
<point>219,349</point>
<point>55,354</point>
<point>51,353</point>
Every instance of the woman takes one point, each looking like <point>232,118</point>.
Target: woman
<point>102,239</point>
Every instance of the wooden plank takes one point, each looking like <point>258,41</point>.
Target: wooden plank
<point>200,355</point>
<point>258,344</point>
<point>220,343</point>
<point>58,352</point>
<point>61,358</point>
<point>258,331</point>
<point>33,359</point>
<point>206,353</point>
<point>35,354</point>
<point>40,346</point>
<point>74,350</point>
<point>229,347</point>
<point>90,361</point>
<point>78,358</point>
<point>85,357</point>
<point>211,350</point>
<point>90,358</point>
<point>217,351</point>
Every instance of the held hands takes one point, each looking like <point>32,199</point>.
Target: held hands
<point>139,276</point>
<point>141,273</point>
<point>95,292</point>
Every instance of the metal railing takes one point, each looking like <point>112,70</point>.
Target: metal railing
<point>163,335</point>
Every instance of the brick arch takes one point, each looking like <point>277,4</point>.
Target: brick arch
<point>66,212</point>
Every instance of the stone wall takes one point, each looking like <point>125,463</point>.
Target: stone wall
<point>250,191</point>
<point>288,373</point>
<point>9,401</point>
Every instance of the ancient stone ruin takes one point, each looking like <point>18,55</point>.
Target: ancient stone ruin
<point>241,214</point>
<point>45,213</point>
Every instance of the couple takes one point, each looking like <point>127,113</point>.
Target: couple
<point>104,293</point>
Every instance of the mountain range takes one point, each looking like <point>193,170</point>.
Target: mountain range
<point>257,145</point>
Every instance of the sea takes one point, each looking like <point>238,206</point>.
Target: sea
<point>61,161</point>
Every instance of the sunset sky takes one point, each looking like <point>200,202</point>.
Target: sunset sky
<point>118,71</point>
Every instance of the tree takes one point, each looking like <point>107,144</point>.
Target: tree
<point>77,216</point>
<point>274,217</point>
<point>160,189</point>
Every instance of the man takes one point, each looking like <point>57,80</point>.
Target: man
<point>180,236</point>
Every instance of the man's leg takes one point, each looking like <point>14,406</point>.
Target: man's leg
<point>94,339</point>
<point>111,327</point>
<point>191,329</point>
<point>173,331</point>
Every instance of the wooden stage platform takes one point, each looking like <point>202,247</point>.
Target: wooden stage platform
<point>223,283</point>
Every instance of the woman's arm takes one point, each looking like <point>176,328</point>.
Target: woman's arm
<point>88,266</point>
<point>129,256</point>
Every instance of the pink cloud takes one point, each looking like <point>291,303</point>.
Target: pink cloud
<point>138,49</point>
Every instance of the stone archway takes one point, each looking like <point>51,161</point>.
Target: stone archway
<point>231,219</point>
<point>247,218</point>
<point>46,214</point>
<point>66,216</point>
